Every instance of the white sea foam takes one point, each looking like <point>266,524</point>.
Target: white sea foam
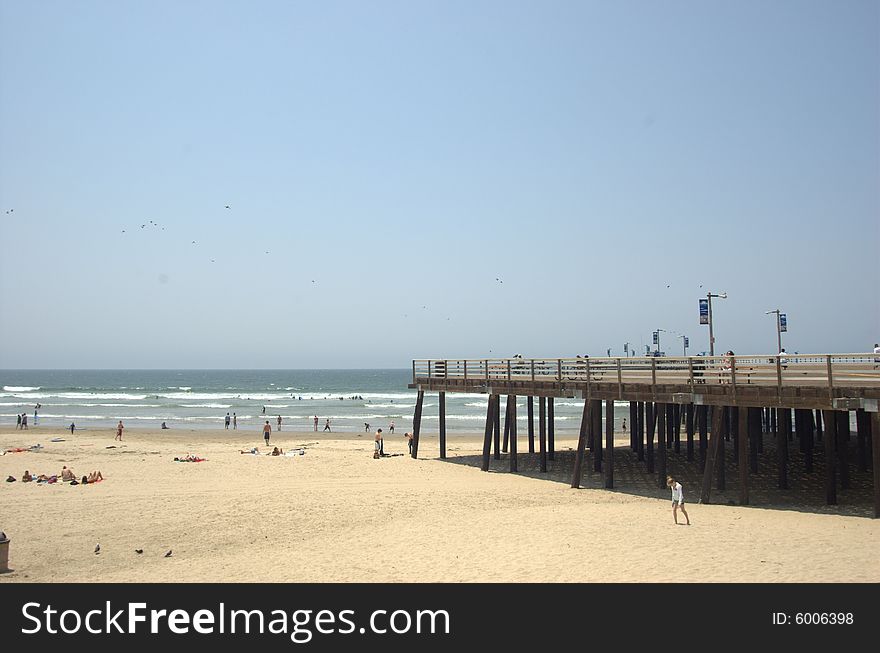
<point>22,388</point>
<point>206,405</point>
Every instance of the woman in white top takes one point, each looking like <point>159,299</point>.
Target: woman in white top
<point>677,499</point>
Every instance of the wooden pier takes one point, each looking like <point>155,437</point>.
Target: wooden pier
<point>740,398</point>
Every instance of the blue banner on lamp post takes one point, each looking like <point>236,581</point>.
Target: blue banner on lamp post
<point>783,324</point>
<point>704,311</point>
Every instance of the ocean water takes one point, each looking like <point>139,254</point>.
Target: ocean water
<point>202,398</point>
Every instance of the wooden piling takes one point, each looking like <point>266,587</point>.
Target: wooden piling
<point>609,443</point>
<point>551,429</point>
<point>670,427</point>
<point>716,437</point>
<point>781,457</point>
<point>417,423</point>
<point>830,433</point>
<point>703,425</point>
<point>875,460</point>
<point>633,425</point>
<point>640,418</point>
<point>863,429</point>
<point>649,436</point>
<point>843,447</point>
<point>487,436</point>
<point>662,440</point>
<point>442,425</point>
<point>530,409</point>
<point>743,467</point>
<point>676,430</point>
<point>506,439</point>
<point>597,434</point>
<point>720,462</point>
<point>511,407</point>
<point>542,432</point>
<point>809,439</point>
<point>689,431</point>
<point>577,473</point>
<point>754,435</point>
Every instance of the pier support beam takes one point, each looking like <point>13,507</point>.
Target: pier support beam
<point>487,436</point>
<point>496,426</point>
<point>662,441</point>
<point>506,437</point>
<point>511,411</point>
<point>596,434</point>
<point>676,429</point>
<point>530,408</point>
<point>720,462</point>
<point>781,454</point>
<point>711,452</point>
<point>417,423</point>
<point>689,431</point>
<point>442,426</point>
<point>875,460</point>
<point>577,474</point>
<point>830,433</point>
<point>863,429</point>
<point>609,443</point>
<point>843,447</point>
<point>754,435</point>
<point>650,419</point>
<point>703,425</point>
<point>640,419</point>
<point>542,432</point>
<point>743,467</point>
<point>551,430</point>
<point>633,424</point>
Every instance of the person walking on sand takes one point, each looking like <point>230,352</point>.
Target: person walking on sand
<point>267,431</point>
<point>226,421</point>
<point>119,428</point>
<point>234,422</point>
<point>327,425</point>
<point>624,425</point>
<point>24,425</point>
<point>279,423</point>
<point>677,499</point>
<point>381,441</point>
<point>18,422</point>
<point>391,428</point>
<point>409,441</point>
<point>316,423</point>
<point>72,427</point>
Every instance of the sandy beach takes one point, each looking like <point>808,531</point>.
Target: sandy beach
<point>334,514</point>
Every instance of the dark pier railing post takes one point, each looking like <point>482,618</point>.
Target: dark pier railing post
<point>530,409</point>
<point>662,440</point>
<point>689,431</point>
<point>577,474</point>
<point>651,421</point>
<point>781,454</point>
<point>843,447</point>
<point>743,467</point>
<point>830,434</point>
<point>442,425</point>
<point>640,417</point>
<point>551,431</point>
<point>609,443</point>
<point>703,425</point>
<point>716,437</point>
<point>542,431</point>
<point>417,423</point>
<point>511,408</point>
<point>487,436</point>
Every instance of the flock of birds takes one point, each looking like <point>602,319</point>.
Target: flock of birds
<point>138,551</point>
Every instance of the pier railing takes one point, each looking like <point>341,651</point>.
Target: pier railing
<point>813,370</point>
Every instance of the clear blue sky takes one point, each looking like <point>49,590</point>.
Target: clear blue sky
<point>603,159</point>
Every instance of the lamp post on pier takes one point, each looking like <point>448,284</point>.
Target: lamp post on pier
<point>781,325</point>
<point>706,316</point>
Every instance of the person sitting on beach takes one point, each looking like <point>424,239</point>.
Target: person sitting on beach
<point>276,452</point>
<point>95,476</point>
<point>27,478</point>
<point>252,450</point>
<point>67,474</point>
<point>42,478</point>
<point>164,425</point>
